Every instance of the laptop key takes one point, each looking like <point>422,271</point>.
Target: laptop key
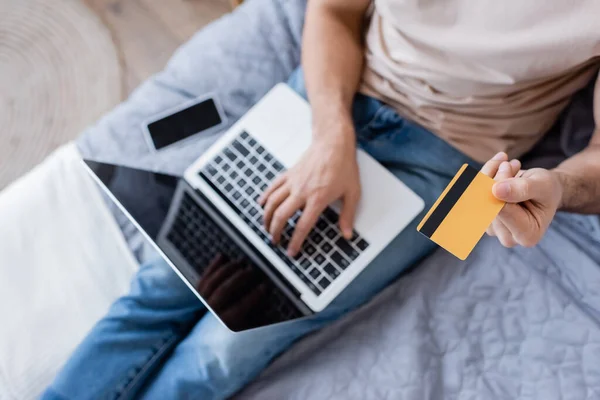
<point>324,282</point>
<point>339,260</point>
<point>212,171</point>
<point>240,148</point>
<point>230,154</point>
<point>332,271</point>
<point>326,247</point>
<point>319,259</point>
<point>310,250</point>
<point>315,273</point>
<point>316,237</point>
<point>321,224</point>
<point>362,244</point>
<point>331,233</point>
<point>305,263</point>
<point>331,215</point>
<point>343,245</point>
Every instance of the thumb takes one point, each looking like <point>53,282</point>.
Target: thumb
<point>517,190</point>
<point>347,215</point>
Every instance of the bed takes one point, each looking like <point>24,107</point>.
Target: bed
<point>505,324</point>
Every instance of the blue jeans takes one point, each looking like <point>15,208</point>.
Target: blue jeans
<point>158,341</point>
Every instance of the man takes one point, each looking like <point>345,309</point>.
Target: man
<point>440,83</point>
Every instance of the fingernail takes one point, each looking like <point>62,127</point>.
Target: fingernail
<point>291,252</point>
<point>499,156</point>
<point>504,167</point>
<point>502,190</point>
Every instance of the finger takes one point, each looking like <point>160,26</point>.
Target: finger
<point>519,223</point>
<point>515,166</point>
<point>490,230</point>
<point>348,213</point>
<point>281,216</point>
<point>517,190</point>
<point>307,221</point>
<point>503,234</point>
<point>491,167</point>
<point>504,171</point>
<point>274,201</point>
<point>276,184</point>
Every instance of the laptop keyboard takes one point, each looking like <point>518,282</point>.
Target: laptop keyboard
<point>240,173</point>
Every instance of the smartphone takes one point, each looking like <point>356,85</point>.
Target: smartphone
<point>202,115</point>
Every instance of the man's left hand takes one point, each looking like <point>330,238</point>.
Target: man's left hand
<point>532,198</point>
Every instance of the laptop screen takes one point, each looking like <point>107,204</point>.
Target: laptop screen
<point>234,282</point>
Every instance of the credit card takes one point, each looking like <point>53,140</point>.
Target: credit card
<point>463,212</point>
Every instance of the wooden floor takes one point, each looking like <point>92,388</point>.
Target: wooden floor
<point>147,32</point>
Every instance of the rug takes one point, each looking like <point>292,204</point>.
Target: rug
<point>59,72</point>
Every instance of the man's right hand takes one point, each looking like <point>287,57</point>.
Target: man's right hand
<point>327,171</point>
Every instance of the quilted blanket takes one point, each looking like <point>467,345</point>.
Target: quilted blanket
<point>506,324</point>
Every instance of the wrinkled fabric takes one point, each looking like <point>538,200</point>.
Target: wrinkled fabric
<point>521,323</point>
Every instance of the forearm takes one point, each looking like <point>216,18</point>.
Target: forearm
<point>332,59</point>
<point>580,180</point>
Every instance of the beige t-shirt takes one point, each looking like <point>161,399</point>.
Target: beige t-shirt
<point>484,75</point>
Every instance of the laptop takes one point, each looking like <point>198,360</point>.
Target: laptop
<point>211,214</point>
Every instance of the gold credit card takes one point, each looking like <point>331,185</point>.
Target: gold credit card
<point>464,211</point>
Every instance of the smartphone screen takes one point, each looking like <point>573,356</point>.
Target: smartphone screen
<point>185,123</point>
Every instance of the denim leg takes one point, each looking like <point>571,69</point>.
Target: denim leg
<point>132,341</point>
<point>214,363</point>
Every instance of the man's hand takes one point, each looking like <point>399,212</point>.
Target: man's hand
<point>532,198</point>
<point>328,171</point>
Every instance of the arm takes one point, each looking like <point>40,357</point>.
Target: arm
<point>580,175</point>
<point>533,197</point>
<point>333,66</point>
<point>332,58</point>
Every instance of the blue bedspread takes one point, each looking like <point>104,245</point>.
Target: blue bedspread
<point>505,324</point>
